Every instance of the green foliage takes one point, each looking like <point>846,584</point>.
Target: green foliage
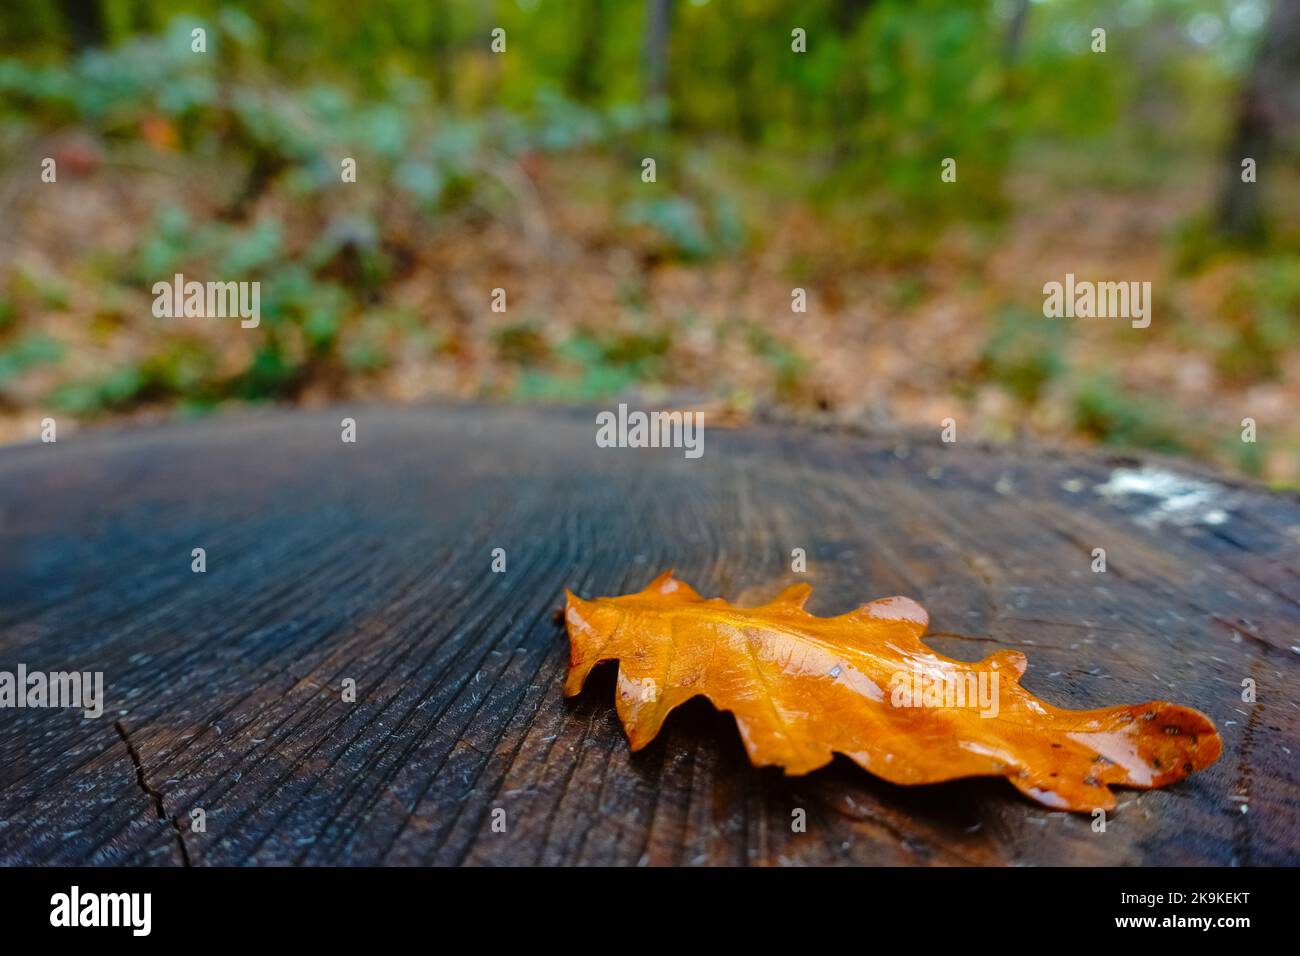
<point>1104,411</point>
<point>313,292</point>
<point>27,353</point>
<point>789,367</point>
<point>592,364</point>
<point>1248,456</point>
<point>522,343</point>
<point>1263,309</point>
<point>683,230</point>
<point>1023,354</point>
<point>447,136</point>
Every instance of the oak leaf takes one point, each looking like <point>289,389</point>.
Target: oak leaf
<point>803,688</point>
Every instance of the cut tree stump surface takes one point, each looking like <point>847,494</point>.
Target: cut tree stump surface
<point>371,561</point>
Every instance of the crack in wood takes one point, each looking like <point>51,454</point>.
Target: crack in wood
<point>152,793</point>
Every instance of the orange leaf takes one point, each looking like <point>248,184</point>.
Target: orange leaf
<point>862,684</point>
<point>159,132</point>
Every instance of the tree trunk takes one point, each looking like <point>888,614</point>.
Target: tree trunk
<point>582,80</point>
<point>740,68</point>
<point>658,27</point>
<point>443,67</point>
<point>850,102</point>
<point>85,23</point>
<point>1015,34</point>
<point>1268,104</point>
<point>223,690</point>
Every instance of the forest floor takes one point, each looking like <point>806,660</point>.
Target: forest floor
<point>896,333</point>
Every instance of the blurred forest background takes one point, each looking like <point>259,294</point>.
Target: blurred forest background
<point>775,170</point>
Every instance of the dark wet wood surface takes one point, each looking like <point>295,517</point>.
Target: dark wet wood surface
<point>328,561</point>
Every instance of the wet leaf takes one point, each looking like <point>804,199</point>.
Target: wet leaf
<point>803,688</point>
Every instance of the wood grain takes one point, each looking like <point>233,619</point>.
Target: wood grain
<point>372,561</point>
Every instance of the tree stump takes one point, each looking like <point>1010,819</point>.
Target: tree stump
<point>371,562</point>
